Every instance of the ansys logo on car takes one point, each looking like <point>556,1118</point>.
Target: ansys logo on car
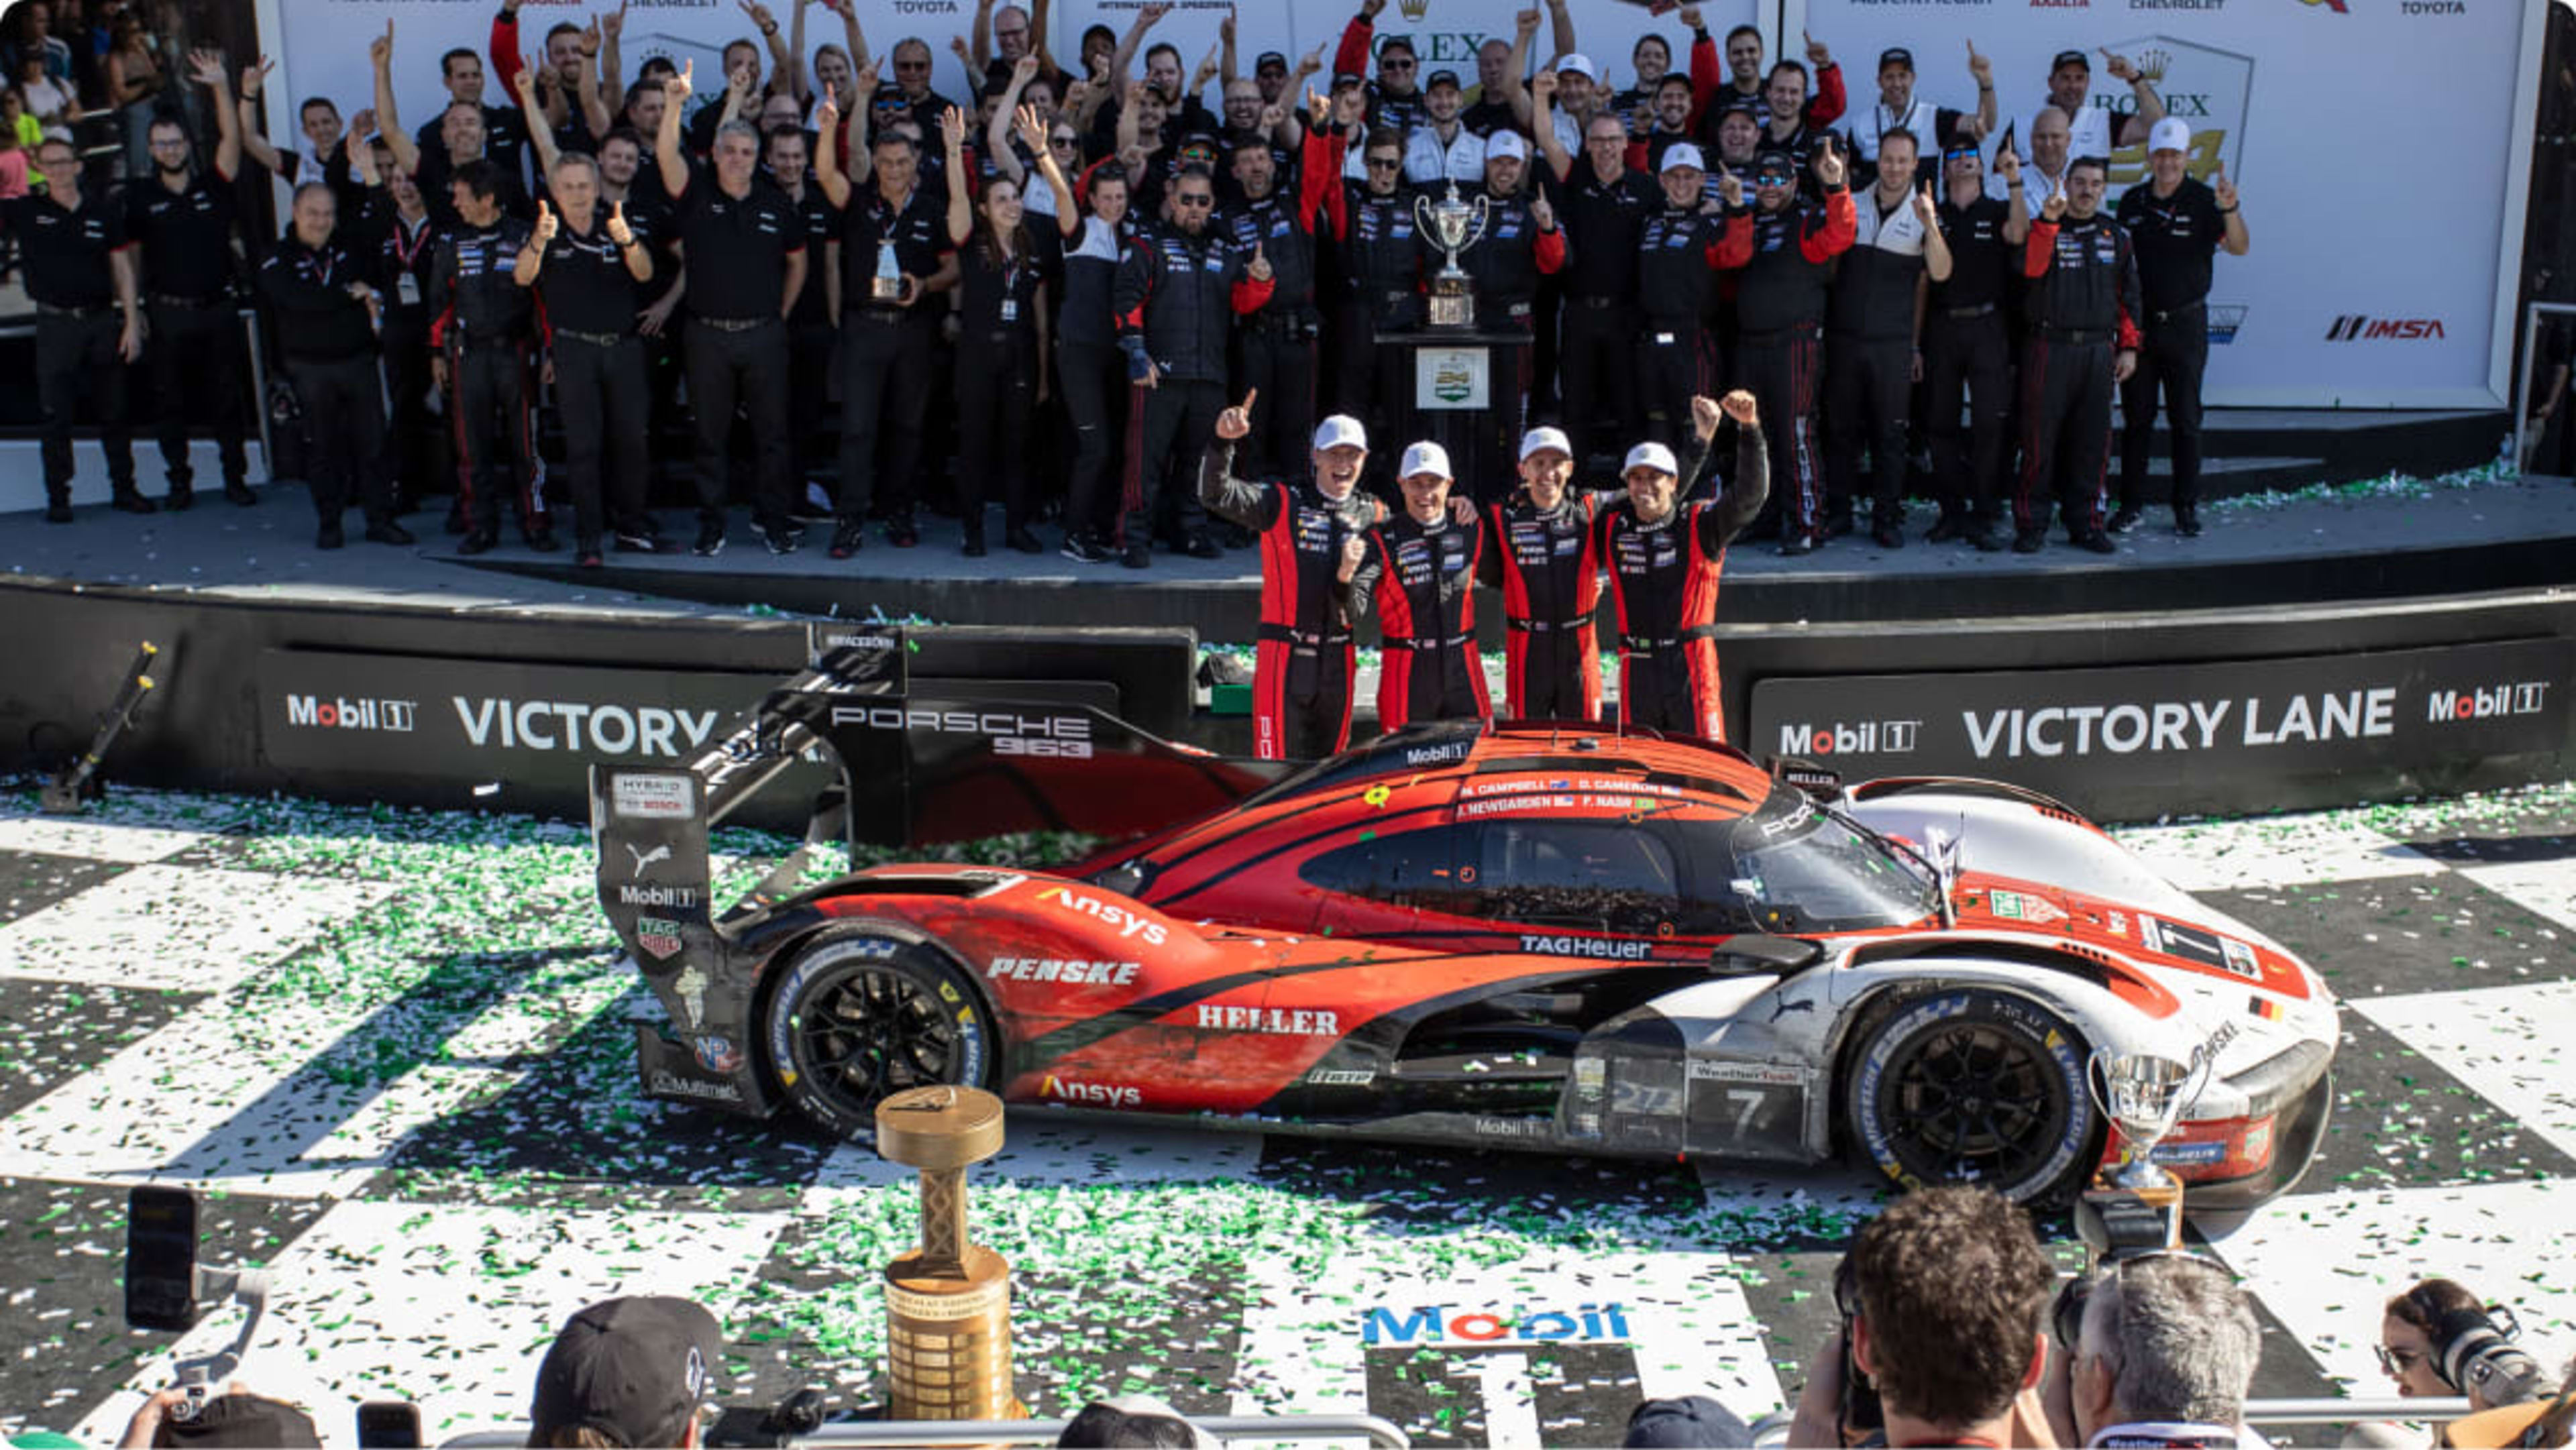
<point>1128,923</point>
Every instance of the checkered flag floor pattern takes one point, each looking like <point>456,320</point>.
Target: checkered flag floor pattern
<point>393,1048</point>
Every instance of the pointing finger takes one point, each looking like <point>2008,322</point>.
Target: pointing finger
<point>1248,395</point>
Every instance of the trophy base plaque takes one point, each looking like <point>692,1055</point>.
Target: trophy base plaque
<point>948,1339</point>
<point>1452,311</point>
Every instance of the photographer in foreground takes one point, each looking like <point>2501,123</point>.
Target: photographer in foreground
<point>1941,1344</point>
<point>2159,1350</point>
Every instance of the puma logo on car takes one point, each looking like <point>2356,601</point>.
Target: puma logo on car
<point>647,858</point>
<point>1128,923</point>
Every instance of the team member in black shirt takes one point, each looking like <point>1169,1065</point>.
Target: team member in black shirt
<point>89,323</point>
<point>1874,350</point>
<point>2083,309</point>
<point>812,329</point>
<point>183,220</point>
<point>1603,204</point>
<point>396,227</point>
<point>1967,357</point>
<point>1001,338</point>
<point>1381,289</point>
<point>1677,255</point>
<point>744,250</point>
<point>894,241</point>
<point>323,309</point>
<point>505,131</point>
<point>1784,248</point>
<point>589,270</point>
<point>482,328</point>
<point>1178,293</point>
<point>1275,347</point>
<point>2176,223</point>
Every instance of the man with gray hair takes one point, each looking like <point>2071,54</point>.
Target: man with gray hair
<point>2165,1356</point>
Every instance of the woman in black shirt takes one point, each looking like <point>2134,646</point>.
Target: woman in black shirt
<point>1002,338</point>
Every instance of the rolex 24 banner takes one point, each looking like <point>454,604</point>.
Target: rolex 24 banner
<point>2343,301</point>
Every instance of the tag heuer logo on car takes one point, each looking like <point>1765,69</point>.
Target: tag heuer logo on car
<point>657,937</point>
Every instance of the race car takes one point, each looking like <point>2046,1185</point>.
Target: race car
<point>1539,936</point>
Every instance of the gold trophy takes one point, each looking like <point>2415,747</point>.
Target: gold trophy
<point>2144,1096</point>
<point>1453,226</point>
<point>948,1303</point>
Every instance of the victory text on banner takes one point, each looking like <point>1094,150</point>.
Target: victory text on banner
<point>2072,732</point>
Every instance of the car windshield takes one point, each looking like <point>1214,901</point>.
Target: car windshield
<point>1790,867</point>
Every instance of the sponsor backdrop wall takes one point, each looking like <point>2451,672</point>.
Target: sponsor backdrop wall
<point>2379,240</point>
<point>2348,297</point>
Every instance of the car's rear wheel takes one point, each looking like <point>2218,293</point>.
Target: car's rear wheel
<point>860,1017</point>
<point>1966,1085</point>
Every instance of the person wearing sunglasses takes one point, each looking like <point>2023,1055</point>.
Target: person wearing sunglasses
<point>2439,1339</point>
<point>1381,268</point>
<point>1177,295</point>
<point>1395,97</point>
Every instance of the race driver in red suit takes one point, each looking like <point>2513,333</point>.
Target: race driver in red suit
<point>1665,557</point>
<point>1420,571</point>
<point>1541,556</point>
<point>1301,662</point>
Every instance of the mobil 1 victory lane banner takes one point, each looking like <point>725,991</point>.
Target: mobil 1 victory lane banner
<point>321,45</point>
<point>2345,299</point>
<point>2096,733</point>
<point>476,725</point>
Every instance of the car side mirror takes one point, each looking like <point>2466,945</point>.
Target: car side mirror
<point>1783,954</point>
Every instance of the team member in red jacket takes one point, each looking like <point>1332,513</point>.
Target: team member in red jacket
<point>1784,246</point>
<point>1420,572</point>
<point>1665,558</point>
<point>1543,559</point>
<point>1301,662</point>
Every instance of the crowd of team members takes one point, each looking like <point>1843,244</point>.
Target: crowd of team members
<point>1081,267</point>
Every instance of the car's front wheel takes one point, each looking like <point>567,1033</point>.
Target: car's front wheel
<point>1967,1085</point>
<point>860,1017</point>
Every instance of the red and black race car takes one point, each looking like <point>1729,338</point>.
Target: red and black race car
<point>1543,937</point>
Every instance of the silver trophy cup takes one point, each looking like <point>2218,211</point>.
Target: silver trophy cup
<point>2144,1096</point>
<point>1453,225</point>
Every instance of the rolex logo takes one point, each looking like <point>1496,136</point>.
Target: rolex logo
<point>1414,10</point>
<point>2152,64</point>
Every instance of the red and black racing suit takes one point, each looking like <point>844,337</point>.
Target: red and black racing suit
<point>1779,349</point>
<point>1663,582</point>
<point>1301,663</point>
<point>1550,574</point>
<point>1423,579</point>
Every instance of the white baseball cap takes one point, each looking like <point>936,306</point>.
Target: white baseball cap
<point>1506,143</point>
<point>1540,440</point>
<point>1682,153</point>
<point>1651,455</point>
<point>1581,64</point>
<point>1340,431</point>
<point>1425,458</point>
<point>2170,134</point>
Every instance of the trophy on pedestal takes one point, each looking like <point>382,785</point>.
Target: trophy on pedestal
<point>1453,225</point>
<point>948,1303</point>
<point>2144,1096</point>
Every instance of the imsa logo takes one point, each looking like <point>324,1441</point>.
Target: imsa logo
<point>2362,327</point>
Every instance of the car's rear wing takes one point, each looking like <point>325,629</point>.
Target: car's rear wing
<point>903,769</point>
